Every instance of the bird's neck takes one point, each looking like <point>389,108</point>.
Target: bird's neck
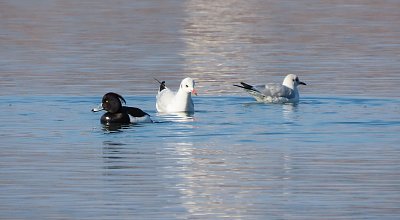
<point>289,85</point>
<point>183,95</point>
<point>183,101</point>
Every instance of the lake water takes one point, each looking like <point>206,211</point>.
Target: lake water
<point>335,155</point>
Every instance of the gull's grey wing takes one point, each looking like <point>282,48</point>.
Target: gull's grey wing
<point>274,93</point>
<point>276,90</point>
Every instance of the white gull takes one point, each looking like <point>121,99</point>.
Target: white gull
<point>169,101</point>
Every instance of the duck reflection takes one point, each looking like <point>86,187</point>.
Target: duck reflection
<point>116,127</point>
<point>114,155</point>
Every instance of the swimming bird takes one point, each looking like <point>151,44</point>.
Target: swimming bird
<point>169,101</point>
<point>275,93</point>
<point>116,113</point>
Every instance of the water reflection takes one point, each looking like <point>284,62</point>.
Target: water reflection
<point>198,181</point>
<point>112,155</point>
<point>114,127</point>
<point>289,112</point>
<point>217,180</point>
<point>214,45</point>
<point>122,159</point>
<point>177,117</point>
<point>118,127</point>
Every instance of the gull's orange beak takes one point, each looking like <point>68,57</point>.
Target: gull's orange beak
<point>194,91</point>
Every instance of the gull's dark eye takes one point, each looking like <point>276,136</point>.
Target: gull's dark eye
<point>187,86</point>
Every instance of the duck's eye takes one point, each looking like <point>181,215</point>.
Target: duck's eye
<point>187,86</point>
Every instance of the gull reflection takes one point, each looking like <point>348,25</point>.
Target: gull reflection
<point>177,117</point>
<point>288,112</point>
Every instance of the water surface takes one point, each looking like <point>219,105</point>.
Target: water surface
<point>334,155</point>
<point>241,160</point>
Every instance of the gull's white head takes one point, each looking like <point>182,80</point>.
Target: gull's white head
<point>187,85</point>
<point>292,81</point>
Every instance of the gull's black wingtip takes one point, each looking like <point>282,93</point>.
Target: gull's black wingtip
<point>238,86</point>
<point>247,86</point>
<point>162,85</point>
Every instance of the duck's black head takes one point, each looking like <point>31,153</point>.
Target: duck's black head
<point>112,102</point>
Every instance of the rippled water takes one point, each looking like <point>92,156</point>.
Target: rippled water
<point>334,155</point>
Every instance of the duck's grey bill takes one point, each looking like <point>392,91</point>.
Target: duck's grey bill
<point>98,108</point>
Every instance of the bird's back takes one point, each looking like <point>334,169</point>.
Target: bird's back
<point>273,93</point>
<point>164,98</point>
